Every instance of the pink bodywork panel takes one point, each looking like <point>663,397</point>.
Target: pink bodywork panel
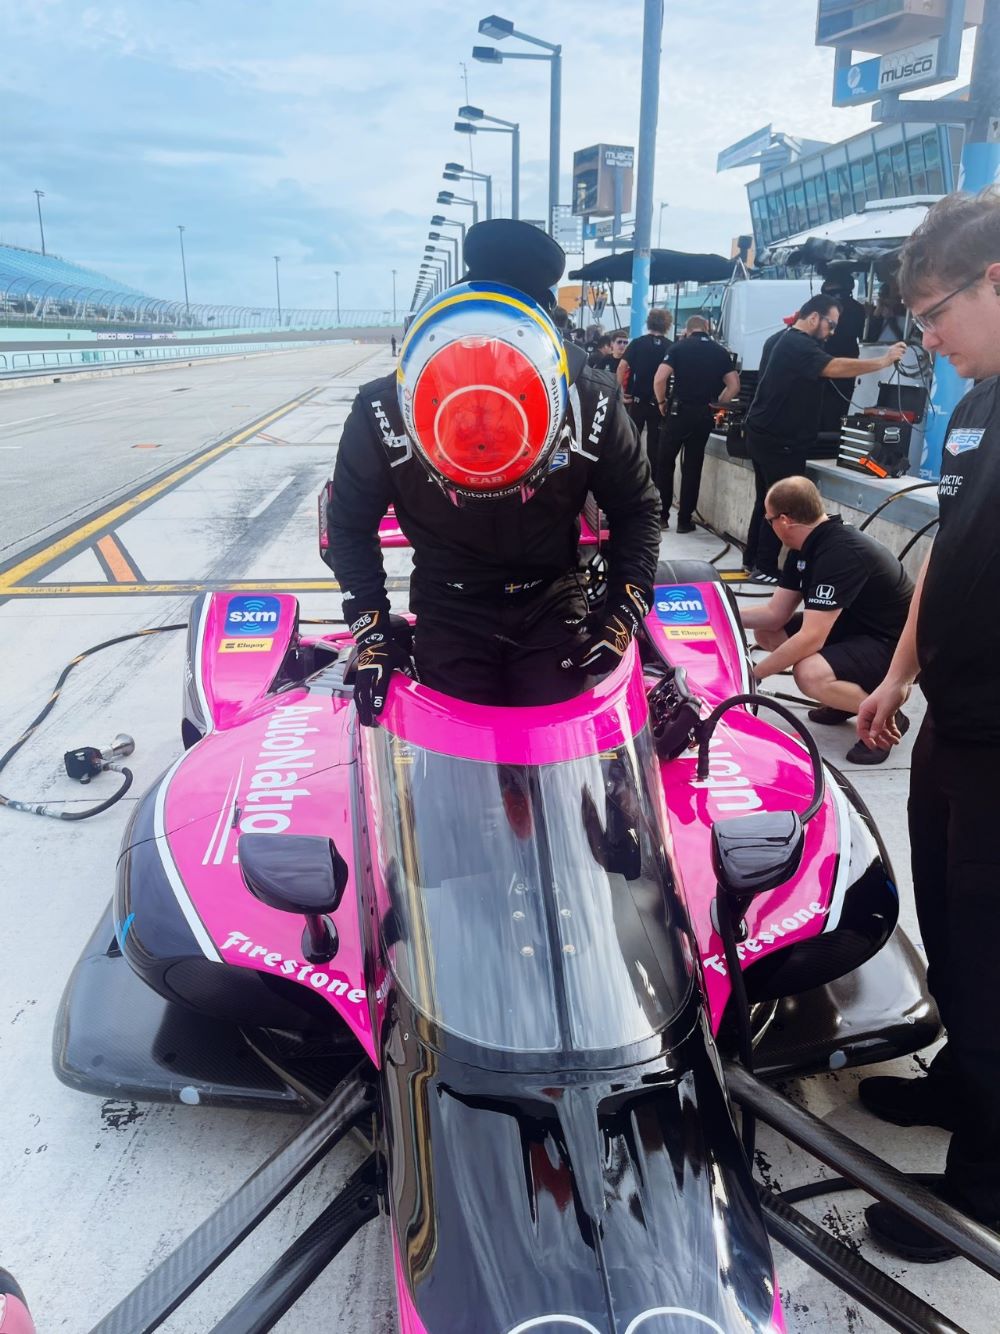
<point>290,767</point>
<point>15,1317</point>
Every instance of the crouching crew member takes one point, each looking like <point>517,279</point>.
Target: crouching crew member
<point>696,372</point>
<point>855,597</point>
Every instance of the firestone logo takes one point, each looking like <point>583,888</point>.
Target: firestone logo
<point>335,984</point>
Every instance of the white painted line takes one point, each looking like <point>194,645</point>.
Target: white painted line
<point>270,498</point>
<point>220,851</point>
<point>21,421</point>
<point>11,446</point>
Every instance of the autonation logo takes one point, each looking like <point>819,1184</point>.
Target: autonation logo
<point>681,604</point>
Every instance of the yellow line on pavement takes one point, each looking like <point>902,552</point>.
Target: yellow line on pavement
<point>65,545</point>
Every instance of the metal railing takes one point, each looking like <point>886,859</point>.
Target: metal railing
<point>19,363</point>
<point>33,301</point>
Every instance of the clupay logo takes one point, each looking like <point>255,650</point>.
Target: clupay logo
<point>681,604</point>
<point>252,615</point>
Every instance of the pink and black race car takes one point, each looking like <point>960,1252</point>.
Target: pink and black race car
<point>514,940</point>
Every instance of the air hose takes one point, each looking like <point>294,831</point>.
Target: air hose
<point>41,808</point>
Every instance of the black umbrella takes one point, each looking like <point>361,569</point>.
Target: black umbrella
<point>665,266</point>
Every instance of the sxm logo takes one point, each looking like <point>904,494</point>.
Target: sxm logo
<point>252,616</point>
<point>681,604</point>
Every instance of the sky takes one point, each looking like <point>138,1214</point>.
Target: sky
<point>318,130</point>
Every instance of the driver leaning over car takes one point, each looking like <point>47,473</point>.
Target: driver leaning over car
<point>487,441</point>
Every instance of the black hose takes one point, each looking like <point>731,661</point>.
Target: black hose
<point>707,727</point>
<point>40,808</point>
<point>903,491</point>
<point>917,536</point>
<point>33,808</point>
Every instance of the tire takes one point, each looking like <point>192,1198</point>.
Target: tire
<point>687,572</point>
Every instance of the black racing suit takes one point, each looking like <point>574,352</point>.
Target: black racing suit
<point>498,599</point>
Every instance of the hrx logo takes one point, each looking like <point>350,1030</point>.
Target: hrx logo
<point>600,412</point>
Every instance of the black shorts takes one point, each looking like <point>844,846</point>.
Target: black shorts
<point>861,659</point>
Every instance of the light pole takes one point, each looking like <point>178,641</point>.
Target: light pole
<point>659,243</point>
<point>336,274</point>
<point>394,296</point>
<point>277,284</point>
<point>39,196</point>
<point>454,171</point>
<point>446,197</point>
<point>652,32</point>
<point>498,28</point>
<point>187,305</point>
<point>439,220</point>
<point>510,127</point>
<point>452,240</point>
<point>440,250</point>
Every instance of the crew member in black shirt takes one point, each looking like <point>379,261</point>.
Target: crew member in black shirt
<point>697,371</point>
<point>783,419</point>
<point>638,365</point>
<point>846,342</point>
<point>855,597</point>
<point>950,278</point>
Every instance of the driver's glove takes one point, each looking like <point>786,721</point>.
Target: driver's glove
<point>378,657</point>
<point>623,614</point>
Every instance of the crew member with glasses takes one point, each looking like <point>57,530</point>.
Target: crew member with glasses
<point>949,277</point>
<point>783,419</point>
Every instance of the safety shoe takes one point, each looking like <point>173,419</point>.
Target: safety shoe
<point>909,1240</point>
<point>909,1102</point>
<point>685,527</point>
<point>762,577</point>
<point>862,754</point>
<point>828,717</point>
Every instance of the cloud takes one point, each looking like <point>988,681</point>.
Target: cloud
<point>318,131</point>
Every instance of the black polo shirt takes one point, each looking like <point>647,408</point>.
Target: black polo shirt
<point>786,405</point>
<point>958,628</point>
<point>644,356</point>
<point>700,367</point>
<point>838,567</point>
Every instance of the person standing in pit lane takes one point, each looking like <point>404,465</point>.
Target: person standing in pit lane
<point>697,371</point>
<point>950,278</point>
<point>783,419</point>
<point>635,371</point>
<point>487,441</point>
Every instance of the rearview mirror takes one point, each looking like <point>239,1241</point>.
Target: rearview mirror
<point>752,854</point>
<point>299,873</point>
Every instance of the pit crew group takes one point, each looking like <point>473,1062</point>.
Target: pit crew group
<point>502,612</point>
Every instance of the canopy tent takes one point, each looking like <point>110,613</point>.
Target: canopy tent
<point>878,230</point>
<point>665,266</point>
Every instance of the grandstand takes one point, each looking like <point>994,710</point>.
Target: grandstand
<point>37,289</point>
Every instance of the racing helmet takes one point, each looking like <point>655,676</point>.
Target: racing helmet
<point>483,386</point>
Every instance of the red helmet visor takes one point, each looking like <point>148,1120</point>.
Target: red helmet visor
<point>481,413</point>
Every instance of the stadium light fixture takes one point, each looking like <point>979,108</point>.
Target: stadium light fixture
<point>497,28</point>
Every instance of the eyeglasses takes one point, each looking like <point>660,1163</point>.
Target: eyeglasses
<point>830,324</point>
<point>621,342</point>
<point>929,318</point>
<point>771,519</point>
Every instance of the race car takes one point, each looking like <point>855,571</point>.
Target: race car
<point>533,931</point>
